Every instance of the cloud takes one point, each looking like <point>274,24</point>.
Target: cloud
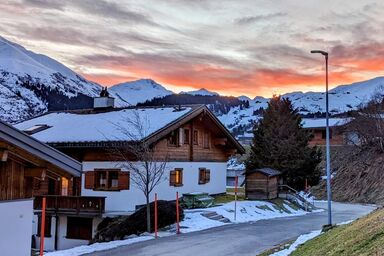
<point>249,20</point>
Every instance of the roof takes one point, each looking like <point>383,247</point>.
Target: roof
<point>267,171</point>
<point>112,126</point>
<point>22,140</point>
<point>321,122</point>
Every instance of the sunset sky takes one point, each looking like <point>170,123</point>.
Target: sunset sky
<point>232,47</point>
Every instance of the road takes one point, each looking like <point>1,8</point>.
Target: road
<point>240,239</point>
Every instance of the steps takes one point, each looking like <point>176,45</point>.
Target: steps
<point>215,216</point>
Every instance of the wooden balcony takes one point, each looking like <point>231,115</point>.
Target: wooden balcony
<point>71,205</point>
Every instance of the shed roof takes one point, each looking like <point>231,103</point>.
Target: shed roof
<point>267,171</point>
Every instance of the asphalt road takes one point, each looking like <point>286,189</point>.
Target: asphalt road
<point>240,239</point>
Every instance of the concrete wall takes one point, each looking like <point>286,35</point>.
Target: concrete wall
<point>16,227</point>
<point>62,242</point>
<point>127,200</point>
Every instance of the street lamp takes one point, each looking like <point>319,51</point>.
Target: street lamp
<point>328,161</point>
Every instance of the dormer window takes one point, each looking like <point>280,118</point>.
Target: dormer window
<point>36,128</point>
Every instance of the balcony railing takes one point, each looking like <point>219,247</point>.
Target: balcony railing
<point>92,205</point>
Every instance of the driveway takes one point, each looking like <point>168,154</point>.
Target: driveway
<point>240,239</point>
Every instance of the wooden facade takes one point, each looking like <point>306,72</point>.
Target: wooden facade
<point>336,137</point>
<point>29,168</point>
<point>262,184</point>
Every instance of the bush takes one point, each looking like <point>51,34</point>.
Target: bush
<point>117,228</point>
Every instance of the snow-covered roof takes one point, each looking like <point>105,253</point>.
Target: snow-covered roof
<point>105,126</point>
<point>321,122</point>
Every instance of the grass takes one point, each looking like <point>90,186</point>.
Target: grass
<point>222,199</point>
<point>232,190</point>
<point>363,237</point>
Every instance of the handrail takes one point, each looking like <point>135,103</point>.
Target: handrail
<point>289,188</point>
<point>297,194</point>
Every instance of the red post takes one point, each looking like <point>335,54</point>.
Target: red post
<point>236,181</point>
<point>155,215</point>
<point>42,227</point>
<point>177,214</point>
<point>306,186</point>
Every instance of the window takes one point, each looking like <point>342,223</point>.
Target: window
<point>173,138</point>
<point>195,137</point>
<point>64,186</point>
<point>176,178</point>
<point>47,227</point>
<point>79,228</point>
<point>206,140</point>
<point>186,136</point>
<point>107,179</point>
<point>36,128</point>
<point>204,175</point>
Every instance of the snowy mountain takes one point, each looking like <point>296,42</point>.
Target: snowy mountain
<point>131,93</point>
<point>341,99</point>
<point>201,92</point>
<point>31,84</point>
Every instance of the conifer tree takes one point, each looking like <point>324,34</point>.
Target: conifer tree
<point>280,142</point>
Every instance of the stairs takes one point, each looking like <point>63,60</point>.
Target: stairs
<point>293,196</point>
<point>215,216</point>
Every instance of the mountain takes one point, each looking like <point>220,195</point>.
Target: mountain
<point>342,98</point>
<point>131,93</point>
<point>31,84</point>
<point>201,92</point>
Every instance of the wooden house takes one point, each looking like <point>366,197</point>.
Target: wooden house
<point>31,169</point>
<point>318,126</point>
<point>195,143</point>
<point>262,183</point>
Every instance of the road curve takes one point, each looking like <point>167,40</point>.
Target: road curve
<point>240,239</point>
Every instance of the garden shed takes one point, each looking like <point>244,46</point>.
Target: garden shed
<point>262,183</point>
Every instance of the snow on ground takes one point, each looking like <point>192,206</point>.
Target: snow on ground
<point>254,210</point>
<point>299,241</point>
<point>302,239</point>
<point>80,250</point>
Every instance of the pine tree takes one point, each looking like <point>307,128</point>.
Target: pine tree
<point>280,142</point>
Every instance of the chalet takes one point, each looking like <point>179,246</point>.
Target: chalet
<point>31,169</point>
<point>318,127</point>
<point>262,183</point>
<point>196,144</point>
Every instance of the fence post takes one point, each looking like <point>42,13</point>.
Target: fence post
<point>236,181</point>
<point>177,214</point>
<point>155,215</point>
<point>42,227</point>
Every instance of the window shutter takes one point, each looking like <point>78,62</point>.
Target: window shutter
<point>89,180</point>
<point>172,178</point>
<point>181,176</point>
<point>207,175</point>
<point>124,180</point>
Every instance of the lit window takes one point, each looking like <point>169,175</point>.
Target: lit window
<point>64,186</point>
<point>176,178</point>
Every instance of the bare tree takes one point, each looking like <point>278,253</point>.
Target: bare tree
<point>367,127</point>
<point>138,156</point>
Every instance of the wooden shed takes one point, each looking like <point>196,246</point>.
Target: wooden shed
<point>262,183</point>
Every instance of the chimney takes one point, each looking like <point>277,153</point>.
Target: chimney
<point>104,101</point>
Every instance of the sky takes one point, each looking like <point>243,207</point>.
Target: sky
<point>247,47</point>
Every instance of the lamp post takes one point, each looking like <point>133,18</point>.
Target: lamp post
<point>328,161</point>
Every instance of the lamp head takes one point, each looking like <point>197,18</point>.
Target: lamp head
<point>321,52</point>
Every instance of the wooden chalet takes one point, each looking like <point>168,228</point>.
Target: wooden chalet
<point>195,144</point>
<point>318,126</point>
<point>32,169</point>
<point>262,183</point>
